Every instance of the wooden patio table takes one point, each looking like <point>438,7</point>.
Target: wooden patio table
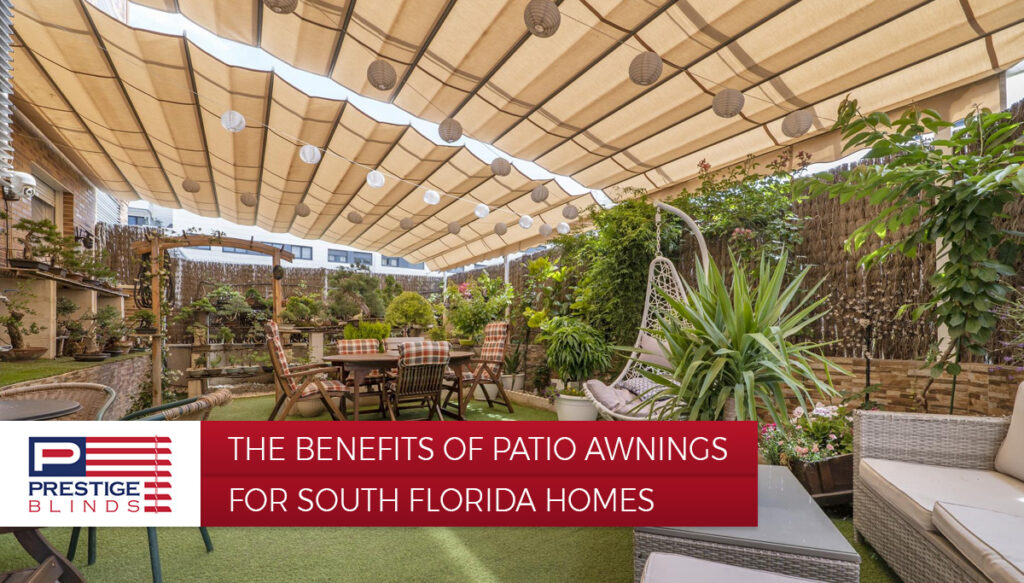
<point>361,365</point>
<point>40,549</point>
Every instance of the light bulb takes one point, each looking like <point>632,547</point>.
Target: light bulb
<point>431,197</point>
<point>526,221</point>
<point>481,211</point>
<point>375,179</point>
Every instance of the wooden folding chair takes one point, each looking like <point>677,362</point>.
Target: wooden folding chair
<point>299,382</point>
<point>373,384</point>
<point>421,367</point>
<point>486,369</point>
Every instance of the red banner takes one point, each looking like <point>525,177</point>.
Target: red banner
<point>479,474</point>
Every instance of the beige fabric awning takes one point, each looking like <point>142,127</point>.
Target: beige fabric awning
<point>565,101</point>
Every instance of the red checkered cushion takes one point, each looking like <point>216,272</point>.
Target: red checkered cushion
<point>495,337</point>
<point>496,332</point>
<point>361,346</point>
<point>331,385</point>
<point>420,353</point>
<point>272,329</point>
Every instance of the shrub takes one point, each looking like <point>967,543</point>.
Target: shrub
<point>575,349</point>
<point>376,330</point>
<point>409,309</point>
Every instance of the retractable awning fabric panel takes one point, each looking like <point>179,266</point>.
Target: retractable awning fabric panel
<point>144,111</point>
<point>566,101</point>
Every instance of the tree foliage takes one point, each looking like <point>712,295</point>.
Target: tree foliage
<point>409,309</point>
<point>354,293</point>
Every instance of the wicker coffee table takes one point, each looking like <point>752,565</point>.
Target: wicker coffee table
<point>794,537</point>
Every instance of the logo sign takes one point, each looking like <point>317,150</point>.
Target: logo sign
<point>100,473</point>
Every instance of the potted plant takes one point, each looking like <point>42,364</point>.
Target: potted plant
<point>88,347</point>
<point>409,311</point>
<point>732,348</point>
<point>510,368</point>
<point>36,243</point>
<point>375,330</point>
<point>17,308</point>
<point>225,335</point>
<point>817,446</point>
<point>145,320</point>
<point>111,330</point>
<point>576,351</point>
<point>474,304</point>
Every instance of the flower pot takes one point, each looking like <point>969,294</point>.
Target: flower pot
<point>828,481</point>
<point>117,350</point>
<point>570,408</point>
<point>16,354</point>
<point>491,389</point>
<point>309,407</point>
<point>146,330</point>
<point>92,357</point>
<point>508,381</point>
<point>520,382</point>
<point>29,264</point>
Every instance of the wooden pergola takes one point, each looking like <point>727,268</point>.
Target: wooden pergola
<point>156,246</point>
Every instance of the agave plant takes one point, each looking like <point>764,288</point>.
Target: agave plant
<point>738,343</point>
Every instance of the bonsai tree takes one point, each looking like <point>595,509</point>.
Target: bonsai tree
<point>409,310</point>
<point>40,239</point>
<point>13,320</point>
<point>145,319</point>
<point>109,326</point>
<point>304,310</point>
<point>576,351</point>
<point>355,292</point>
<point>225,335</point>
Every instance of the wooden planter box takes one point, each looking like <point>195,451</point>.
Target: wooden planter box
<point>829,482</point>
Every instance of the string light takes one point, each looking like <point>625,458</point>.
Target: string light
<point>526,221</point>
<point>302,209</point>
<point>431,197</point>
<point>539,194</point>
<point>310,154</point>
<point>232,121</point>
<point>481,211</point>
<point>454,227</point>
<point>500,229</point>
<point>562,228</point>
<point>355,217</point>
<point>545,230</point>
<point>374,179</point>
<point>189,185</point>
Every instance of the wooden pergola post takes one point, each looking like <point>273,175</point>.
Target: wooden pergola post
<point>275,288</point>
<point>155,260</point>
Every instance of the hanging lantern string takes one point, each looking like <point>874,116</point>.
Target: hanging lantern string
<point>468,198</point>
<point>624,43</point>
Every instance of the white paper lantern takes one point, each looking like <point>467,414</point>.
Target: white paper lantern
<point>545,230</point>
<point>500,229</point>
<point>542,18</point>
<point>302,209</point>
<point>481,211</point>
<point>526,221</point>
<point>374,179</point>
<point>501,167</point>
<point>381,75</point>
<point>431,197</point>
<point>355,217</point>
<point>728,102</point>
<point>539,194</point>
<point>281,6</point>
<point>450,130</point>
<point>454,227</point>
<point>645,69</point>
<point>796,123</point>
<point>190,185</point>
<point>406,223</point>
<point>570,212</point>
<point>562,228</point>
<point>232,121</point>
<point>310,154</point>
<point>248,199</point>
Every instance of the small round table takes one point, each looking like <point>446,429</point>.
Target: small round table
<point>360,365</point>
<point>36,409</point>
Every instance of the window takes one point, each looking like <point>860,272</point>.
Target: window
<point>399,262</point>
<point>201,247</point>
<point>337,256</point>
<point>44,202</point>
<point>241,251</point>
<point>362,258</point>
<point>138,221</point>
<point>299,251</point>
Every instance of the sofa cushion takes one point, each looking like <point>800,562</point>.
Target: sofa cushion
<point>1010,459</point>
<point>652,350</point>
<point>913,489</point>
<point>989,539</point>
<point>666,568</point>
<point>610,397</point>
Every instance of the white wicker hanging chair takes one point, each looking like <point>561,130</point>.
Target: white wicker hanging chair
<point>620,401</point>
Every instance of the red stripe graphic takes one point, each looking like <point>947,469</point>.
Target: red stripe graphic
<point>127,440</point>
<point>125,450</point>
<point>152,485</point>
<point>157,497</point>
<point>152,462</point>
<point>126,474</point>
<point>58,453</point>
<point>157,508</point>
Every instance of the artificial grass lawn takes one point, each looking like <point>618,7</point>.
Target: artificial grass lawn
<point>28,370</point>
<point>484,555</point>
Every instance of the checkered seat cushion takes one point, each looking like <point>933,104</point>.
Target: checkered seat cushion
<point>421,353</point>
<point>330,385</point>
<point>360,346</point>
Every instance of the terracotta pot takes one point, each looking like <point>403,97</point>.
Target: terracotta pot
<point>828,481</point>
<point>16,354</point>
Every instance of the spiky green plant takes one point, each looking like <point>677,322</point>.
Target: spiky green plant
<point>739,341</point>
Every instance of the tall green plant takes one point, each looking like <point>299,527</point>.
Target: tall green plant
<point>943,192</point>
<point>738,342</point>
<point>407,310</point>
<point>575,350</point>
<point>474,304</point>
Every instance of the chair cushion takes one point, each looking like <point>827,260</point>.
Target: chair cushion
<point>1010,459</point>
<point>989,539</point>
<point>651,345</point>
<point>422,353</point>
<point>331,385</point>
<point>666,568</point>
<point>358,346</point>
<point>610,397</point>
<point>913,489</point>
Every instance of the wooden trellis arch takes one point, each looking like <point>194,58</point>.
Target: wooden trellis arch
<point>156,246</point>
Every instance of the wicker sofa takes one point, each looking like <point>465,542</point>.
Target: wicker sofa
<point>932,498</point>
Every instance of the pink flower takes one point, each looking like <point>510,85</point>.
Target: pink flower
<point>781,442</point>
<point>829,447</point>
<point>815,448</point>
<point>832,436</point>
<point>801,450</point>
